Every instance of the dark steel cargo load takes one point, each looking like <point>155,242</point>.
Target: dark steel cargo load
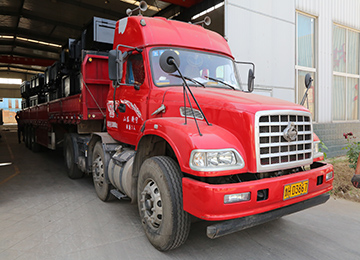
<point>99,35</point>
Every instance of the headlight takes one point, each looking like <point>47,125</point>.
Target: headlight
<point>216,160</point>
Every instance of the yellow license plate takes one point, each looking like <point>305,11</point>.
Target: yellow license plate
<point>295,189</point>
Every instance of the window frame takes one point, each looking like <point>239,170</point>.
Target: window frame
<point>307,69</point>
<point>345,74</point>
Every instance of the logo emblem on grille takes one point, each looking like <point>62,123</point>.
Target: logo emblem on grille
<point>290,132</point>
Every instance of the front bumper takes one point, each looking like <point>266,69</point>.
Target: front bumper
<point>234,225</point>
<point>206,201</point>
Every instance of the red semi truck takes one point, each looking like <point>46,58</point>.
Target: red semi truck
<point>164,121</point>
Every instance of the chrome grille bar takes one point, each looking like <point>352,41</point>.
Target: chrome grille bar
<point>274,149</point>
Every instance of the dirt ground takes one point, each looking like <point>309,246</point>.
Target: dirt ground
<point>342,185</point>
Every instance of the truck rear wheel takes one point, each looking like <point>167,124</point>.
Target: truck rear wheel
<point>35,147</point>
<point>26,135</point>
<point>69,154</point>
<point>30,140</point>
<point>160,203</point>
<point>99,172</point>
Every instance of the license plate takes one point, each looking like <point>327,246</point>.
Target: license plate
<point>295,189</point>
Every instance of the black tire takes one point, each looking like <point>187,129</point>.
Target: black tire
<point>30,140</point>
<point>27,137</point>
<point>69,156</point>
<point>160,203</point>
<point>35,147</point>
<point>100,162</point>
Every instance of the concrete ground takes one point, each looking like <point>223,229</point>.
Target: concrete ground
<point>46,215</point>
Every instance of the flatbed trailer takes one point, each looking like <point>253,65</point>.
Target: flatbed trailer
<point>83,113</point>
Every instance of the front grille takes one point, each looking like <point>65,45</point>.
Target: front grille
<point>275,149</point>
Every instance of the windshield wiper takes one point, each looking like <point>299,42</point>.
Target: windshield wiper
<point>222,82</point>
<point>190,79</point>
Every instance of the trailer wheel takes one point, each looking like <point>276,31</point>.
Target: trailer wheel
<point>99,168</point>
<point>30,137</point>
<point>160,203</point>
<point>26,135</point>
<point>35,147</point>
<point>69,154</point>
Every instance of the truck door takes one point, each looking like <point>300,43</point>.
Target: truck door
<point>132,98</point>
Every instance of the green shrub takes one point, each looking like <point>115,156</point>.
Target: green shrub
<point>323,148</point>
<point>353,148</point>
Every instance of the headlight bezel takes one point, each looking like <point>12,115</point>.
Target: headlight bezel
<point>239,164</point>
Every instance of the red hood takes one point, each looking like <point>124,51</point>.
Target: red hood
<point>224,99</point>
<point>229,109</point>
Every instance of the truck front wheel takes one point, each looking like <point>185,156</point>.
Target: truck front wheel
<point>160,205</point>
<point>99,168</point>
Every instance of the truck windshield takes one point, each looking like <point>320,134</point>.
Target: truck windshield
<point>205,69</point>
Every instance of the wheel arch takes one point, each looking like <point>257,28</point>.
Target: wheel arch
<point>149,146</point>
<point>185,138</point>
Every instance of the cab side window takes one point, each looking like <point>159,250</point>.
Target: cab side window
<point>135,73</point>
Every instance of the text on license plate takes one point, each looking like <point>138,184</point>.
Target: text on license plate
<point>295,189</point>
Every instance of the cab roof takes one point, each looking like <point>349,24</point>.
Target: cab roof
<point>139,31</point>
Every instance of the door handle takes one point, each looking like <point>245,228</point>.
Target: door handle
<point>122,108</point>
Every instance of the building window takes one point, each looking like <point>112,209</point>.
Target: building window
<point>305,59</point>
<point>345,90</point>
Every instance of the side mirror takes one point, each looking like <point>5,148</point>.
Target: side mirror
<point>167,61</point>
<point>251,78</point>
<point>115,65</point>
<point>308,80</point>
<point>251,74</point>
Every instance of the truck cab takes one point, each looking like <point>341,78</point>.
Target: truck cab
<point>164,120</point>
<point>199,136</point>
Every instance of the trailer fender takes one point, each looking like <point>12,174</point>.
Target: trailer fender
<point>105,139</point>
<point>184,138</point>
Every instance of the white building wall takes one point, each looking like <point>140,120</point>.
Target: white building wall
<point>263,32</point>
<point>328,12</point>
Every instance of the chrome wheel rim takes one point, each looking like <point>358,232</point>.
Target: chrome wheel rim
<point>151,205</point>
<point>98,171</point>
